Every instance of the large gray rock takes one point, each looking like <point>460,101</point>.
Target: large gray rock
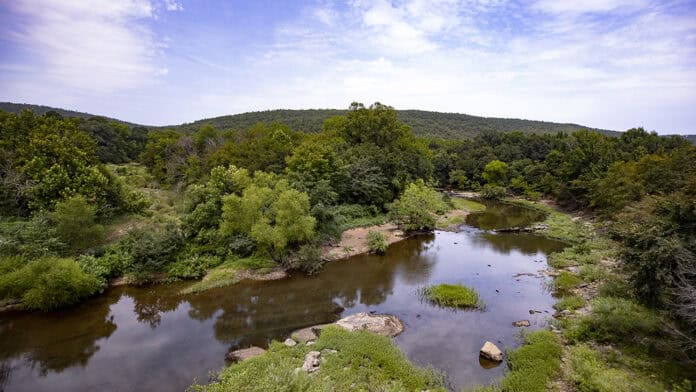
<point>244,354</point>
<point>309,334</point>
<point>382,324</point>
<point>491,352</point>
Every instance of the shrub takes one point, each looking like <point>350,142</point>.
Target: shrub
<point>191,266</point>
<point>48,283</point>
<point>75,223</point>
<point>31,238</point>
<point>376,242</point>
<point>452,295</point>
<point>149,250</point>
<point>307,259</point>
<point>493,192</point>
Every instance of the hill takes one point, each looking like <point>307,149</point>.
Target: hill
<point>41,109</point>
<point>424,123</point>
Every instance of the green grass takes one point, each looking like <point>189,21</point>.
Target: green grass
<point>452,295</point>
<point>466,204</point>
<point>565,282</point>
<point>447,222</point>
<point>248,263</point>
<point>214,279</point>
<point>363,362</point>
<point>532,366</point>
<point>561,226</point>
<point>589,373</point>
<point>376,242</point>
<point>569,302</point>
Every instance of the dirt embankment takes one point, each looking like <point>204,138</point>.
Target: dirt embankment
<point>354,241</point>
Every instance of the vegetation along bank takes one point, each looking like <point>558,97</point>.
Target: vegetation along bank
<point>87,201</point>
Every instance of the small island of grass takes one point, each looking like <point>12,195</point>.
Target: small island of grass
<point>453,296</point>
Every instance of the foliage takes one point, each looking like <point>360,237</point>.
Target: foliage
<point>46,283</point>
<point>30,238</point>
<point>149,250</point>
<point>569,302</point>
<point>214,279</point>
<point>493,192</point>
<point>565,282</point>
<point>363,361</point>
<point>191,266</point>
<point>275,217</point>
<point>307,259</point>
<point>416,209</point>
<point>495,173</point>
<point>376,242</point>
<point>75,223</point>
<point>452,295</point>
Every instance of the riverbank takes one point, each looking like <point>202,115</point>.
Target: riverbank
<point>609,341</point>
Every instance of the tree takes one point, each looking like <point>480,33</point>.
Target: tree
<point>417,207</point>
<point>275,217</point>
<point>75,223</point>
<point>496,172</point>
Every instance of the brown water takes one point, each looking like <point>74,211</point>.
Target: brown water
<point>153,339</point>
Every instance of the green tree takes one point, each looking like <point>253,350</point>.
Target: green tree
<point>417,207</point>
<point>496,173</point>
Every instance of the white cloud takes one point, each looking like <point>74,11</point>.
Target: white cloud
<point>93,45</point>
<point>583,6</point>
<point>173,5</point>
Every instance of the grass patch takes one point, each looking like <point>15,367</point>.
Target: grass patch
<point>565,282</point>
<point>569,302</point>
<point>453,296</point>
<point>532,366</point>
<point>448,222</point>
<point>363,362</point>
<point>248,263</point>
<point>466,204</point>
<point>561,226</point>
<point>614,320</point>
<point>214,279</point>
<point>589,373</point>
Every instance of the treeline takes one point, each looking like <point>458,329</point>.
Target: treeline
<point>271,193</point>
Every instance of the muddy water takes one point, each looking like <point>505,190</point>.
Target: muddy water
<point>154,339</point>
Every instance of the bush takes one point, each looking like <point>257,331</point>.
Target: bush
<point>570,302</point>
<point>376,242</point>
<point>75,223</point>
<point>191,266</point>
<point>48,283</point>
<point>149,250</point>
<point>31,238</point>
<point>493,192</point>
<point>452,295</point>
<point>565,282</point>
<point>307,259</point>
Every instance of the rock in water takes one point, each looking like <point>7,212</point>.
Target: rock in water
<point>381,324</point>
<point>491,352</point>
<point>244,354</point>
<point>521,323</point>
<point>311,361</point>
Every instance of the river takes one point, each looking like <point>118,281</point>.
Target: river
<point>154,339</point>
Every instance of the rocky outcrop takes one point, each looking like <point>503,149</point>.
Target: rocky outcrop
<point>491,352</point>
<point>307,335</point>
<point>244,354</point>
<point>381,324</point>
<point>311,362</point>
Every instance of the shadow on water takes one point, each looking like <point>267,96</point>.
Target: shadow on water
<point>153,338</point>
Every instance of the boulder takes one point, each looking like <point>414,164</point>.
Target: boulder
<point>289,342</point>
<point>244,354</point>
<point>311,362</point>
<point>521,323</point>
<point>381,324</point>
<point>491,352</point>
<point>309,334</point>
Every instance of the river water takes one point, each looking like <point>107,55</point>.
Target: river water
<point>154,339</point>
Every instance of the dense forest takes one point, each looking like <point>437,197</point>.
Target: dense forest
<point>240,191</point>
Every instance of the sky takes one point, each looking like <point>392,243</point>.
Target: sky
<point>612,64</point>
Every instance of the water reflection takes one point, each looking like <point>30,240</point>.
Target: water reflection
<point>500,215</point>
<point>153,338</point>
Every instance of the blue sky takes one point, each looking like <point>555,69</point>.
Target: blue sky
<point>606,63</point>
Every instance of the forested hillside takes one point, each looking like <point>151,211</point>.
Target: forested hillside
<point>423,123</point>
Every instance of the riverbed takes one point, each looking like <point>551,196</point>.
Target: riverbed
<point>153,338</point>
